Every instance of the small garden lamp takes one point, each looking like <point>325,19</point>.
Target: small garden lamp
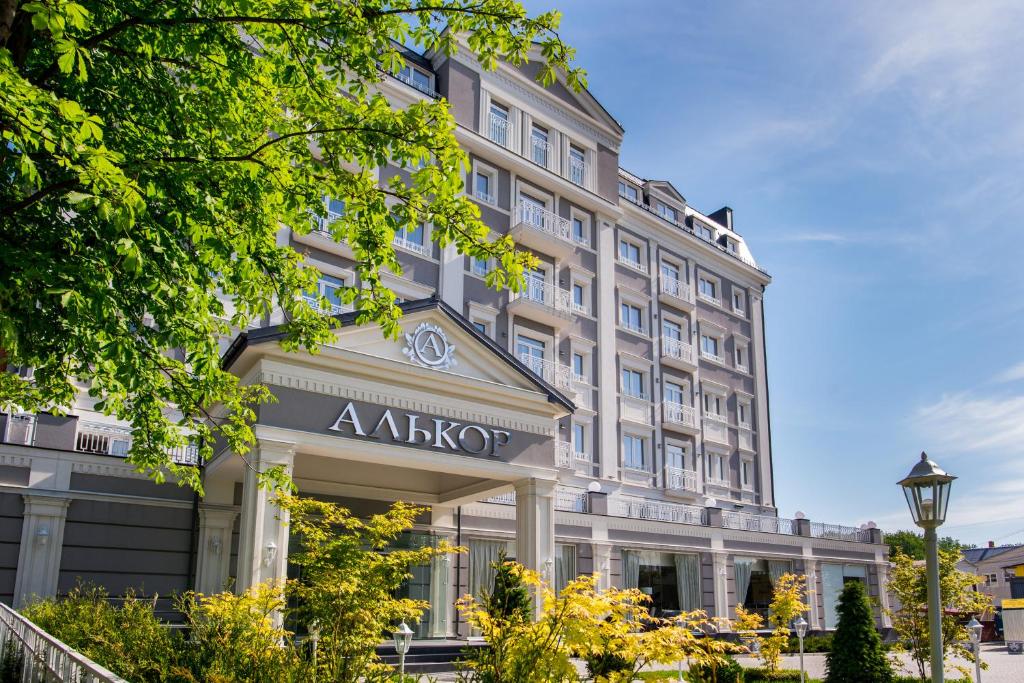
<point>927,491</point>
<point>800,626</point>
<point>403,641</point>
<point>975,627</point>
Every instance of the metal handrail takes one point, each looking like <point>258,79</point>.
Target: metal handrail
<point>47,659</point>
<point>764,523</point>
<point>677,348</point>
<point>539,218</point>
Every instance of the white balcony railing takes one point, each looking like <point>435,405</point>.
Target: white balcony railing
<point>763,523</point>
<point>539,218</point>
<point>563,455</point>
<point>19,429</point>
<point>571,499</point>
<point>635,265</point>
<point>507,498</point>
<point>314,303</point>
<point>555,374</point>
<point>484,197</point>
<point>410,81</point>
<point>676,288</point>
<point>44,658</point>
<point>499,129</point>
<point>710,299</point>
<point>838,532</point>
<point>322,224</point>
<point>541,292</point>
<point>638,508</point>
<point>415,247</point>
<point>704,353</point>
<point>677,413</point>
<point>633,326</point>
<point>105,439</point>
<point>679,479</point>
<point>577,172</point>
<point>540,152</point>
<point>677,349</point>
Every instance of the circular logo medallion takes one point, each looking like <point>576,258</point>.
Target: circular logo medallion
<point>429,346</point>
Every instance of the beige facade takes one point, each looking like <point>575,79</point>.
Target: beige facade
<point>1000,568</point>
<point>612,417</point>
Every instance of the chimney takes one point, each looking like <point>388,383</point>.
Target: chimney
<point>991,544</point>
<point>723,216</point>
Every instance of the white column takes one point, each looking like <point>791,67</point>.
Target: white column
<point>263,544</point>
<point>441,604</point>
<point>721,584</point>
<point>607,372</point>
<point>757,350</point>
<point>213,551</point>
<point>882,565</point>
<point>453,276</point>
<point>811,572</point>
<point>535,527</point>
<point>603,565</point>
<point>42,539</point>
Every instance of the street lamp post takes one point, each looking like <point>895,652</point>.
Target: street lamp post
<point>975,627</point>
<point>403,641</point>
<point>927,491</point>
<point>800,626</point>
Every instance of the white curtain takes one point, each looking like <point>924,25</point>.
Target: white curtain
<point>482,557</point>
<point>630,569</point>
<point>776,568</point>
<point>742,566</point>
<point>565,566</point>
<point>688,581</point>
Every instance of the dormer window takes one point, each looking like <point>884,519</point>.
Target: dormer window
<point>629,192</point>
<point>704,232</point>
<point>667,212</point>
<point>415,77</point>
<point>732,246</point>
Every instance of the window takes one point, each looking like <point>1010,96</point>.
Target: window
<point>633,383</point>
<point>529,348</point>
<point>674,393</point>
<point>536,281</point>
<point>479,266</point>
<point>335,208</point>
<point>629,254</point>
<point>480,327</point>
<point>414,77</point>
<point>412,239</point>
<point>578,301</point>
<point>484,187</point>
<point>675,456</point>
<point>579,366</point>
<point>631,317</point>
<point>718,467</point>
<point>741,357</point>
<point>579,230</point>
<point>709,346</point>
<point>714,405</point>
<point>731,246</point>
<point>499,124</point>
<point>747,474</point>
<point>532,210</point>
<point>329,287</point>
<point>667,212</point>
<point>708,288</point>
<point>579,438</point>
<point>628,191</point>
<point>633,452</point>
<point>704,232</point>
<point>669,271</point>
<point>539,146</point>
<point>743,413</point>
<point>577,165</point>
<point>738,301</point>
<point>833,578</point>
<point>672,330</point>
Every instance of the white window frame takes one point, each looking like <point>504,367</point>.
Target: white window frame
<point>686,448</point>
<point>492,182</point>
<point>645,451</point>
<point>747,474</point>
<point>584,218</point>
<point>585,423</point>
<point>718,470</point>
<point>641,253</point>
<point>664,210</point>
<point>741,353</point>
<point>739,296</point>
<point>425,250</point>
<point>510,131</point>
<point>413,68</point>
<point>699,228</point>
<point>577,278</point>
<point>480,313</point>
<point>709,389</point>
<point>744,413</point>
<point>645,382</point>
<point>716,284</point>
<point>405,289</point>
<point>624,187</point>
<point>625,300</point>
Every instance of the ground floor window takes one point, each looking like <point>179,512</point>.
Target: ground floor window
<point>671,580</point>
<point>565,566</point>
<point>755,579</point>
<point>833,578</point>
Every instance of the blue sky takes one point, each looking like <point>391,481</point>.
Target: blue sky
<point>873,153</point>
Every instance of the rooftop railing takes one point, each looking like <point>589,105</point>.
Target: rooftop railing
<point>838,532</point>
<point>637,508</point>
<point>19,429</point>
<point>764,523</point>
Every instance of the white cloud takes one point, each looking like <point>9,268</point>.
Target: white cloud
<point>1012,374</point>
<point>964,422</point>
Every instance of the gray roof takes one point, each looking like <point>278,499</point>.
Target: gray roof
<point>976,555</point>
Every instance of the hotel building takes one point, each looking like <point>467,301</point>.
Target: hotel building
<point>611,417</point>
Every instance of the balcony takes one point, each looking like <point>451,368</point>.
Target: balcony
<point>711,356</point>
<point>577,172</point>
<point>638,508</point>
<point>563,456</point>
<point>763,523</point>
<point>499,130</point>
<point>415,247</point>
<point>542,230</point>
<point>19,429</point>
<point>838,532</point>
<point>106,439</point>
<point>745,439</point>
<point>680,417</point>
<point>630,263</point>
<point>681,480</point>
<point>678,354</point>
<point>320,235</point>
<point>675,293</point>
<point>332,309</point>
<point>541,301</point>
<point>716,429</point>
<point>707,298</point>
<point>555,374</point>
<point>567,499</point>
<point>635,409</point>
<point>541,153</point>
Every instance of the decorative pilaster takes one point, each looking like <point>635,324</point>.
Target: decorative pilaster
<point>441,604</point>
<point>263,545</point>
<point>603,565</point>
<point>535,528</point>
<point>214,548</point>
<point>721,583</point>
<point>42,539</point>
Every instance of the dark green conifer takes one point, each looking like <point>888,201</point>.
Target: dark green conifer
<point>857,655</point>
